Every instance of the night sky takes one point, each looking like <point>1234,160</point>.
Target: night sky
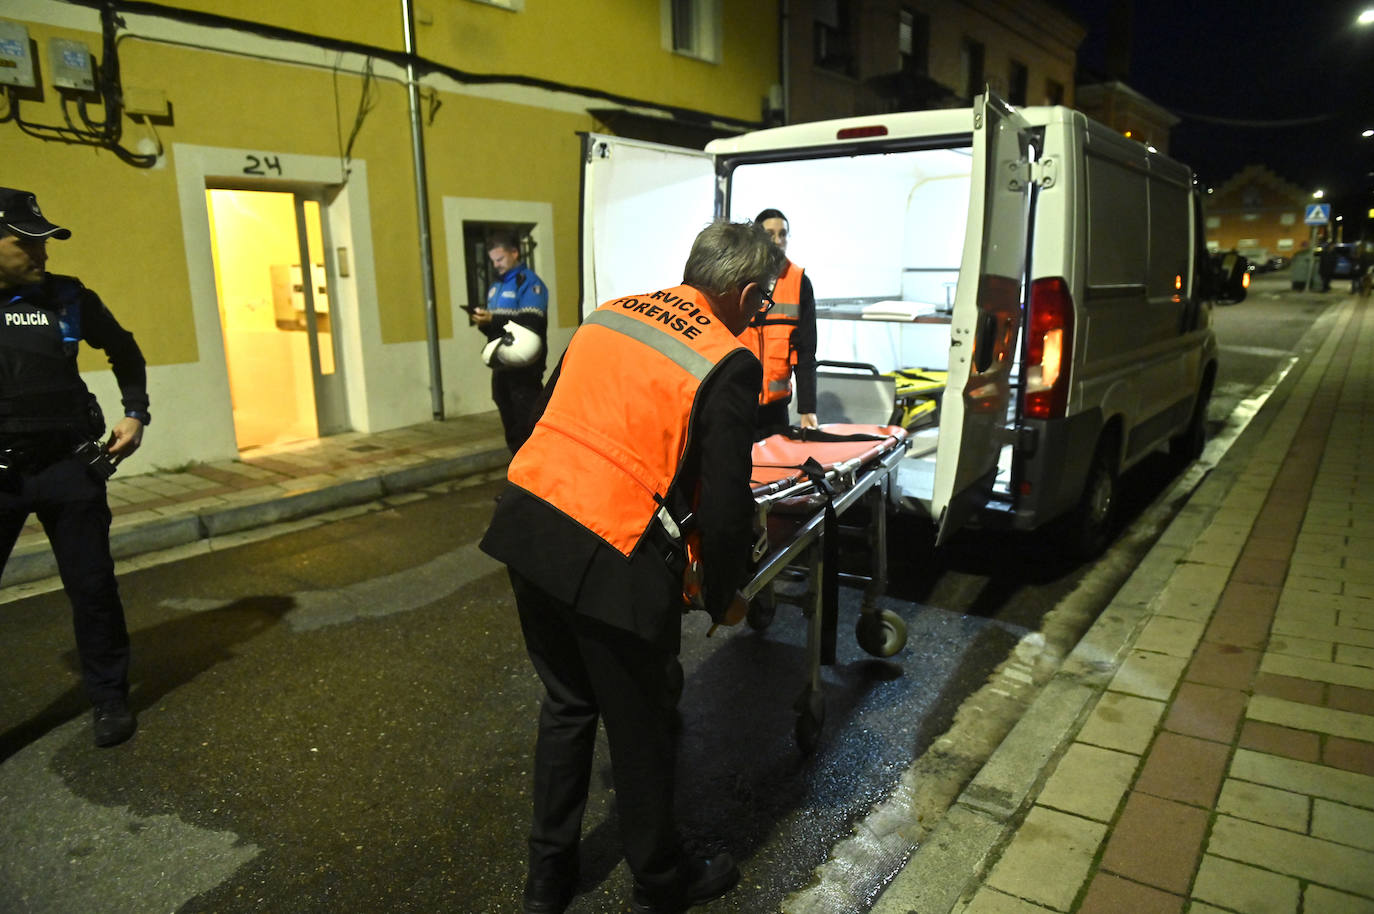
<point>1286,85</point>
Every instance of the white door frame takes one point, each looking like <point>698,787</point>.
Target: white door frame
<point>206,425</point>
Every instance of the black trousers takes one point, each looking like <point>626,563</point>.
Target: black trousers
<point>590,670</point>
<point>71,505</point>
<point>516,392</point>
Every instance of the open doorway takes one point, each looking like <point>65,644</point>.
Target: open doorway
<point>277,326</point>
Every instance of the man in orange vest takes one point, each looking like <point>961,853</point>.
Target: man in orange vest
<point>643,441</point>
<point>784,338</point>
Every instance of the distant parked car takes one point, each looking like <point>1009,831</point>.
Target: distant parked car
<point>1343,261</point>
<point>1278,263</point>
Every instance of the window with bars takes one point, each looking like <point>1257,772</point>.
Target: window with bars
<point>692,27</point>
<point>834,40</point>
<point>1018,83</point>
<point>913,41</point>
<point>971,67</point>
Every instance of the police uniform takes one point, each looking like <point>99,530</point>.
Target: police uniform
<point>519,296</point>
<point>783,339</point>
<point>651,410</point>
<point>45,413</point>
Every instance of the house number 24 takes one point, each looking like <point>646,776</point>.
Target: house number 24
<point>262,165</point>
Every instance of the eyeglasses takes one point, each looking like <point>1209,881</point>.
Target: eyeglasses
<point>765,302</point>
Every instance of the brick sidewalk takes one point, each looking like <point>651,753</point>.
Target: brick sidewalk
<point>1227,762</point>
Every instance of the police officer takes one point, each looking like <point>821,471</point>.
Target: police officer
<point>648,420</point>
<point>784,339</point>
<point>50,426</point>
<point>519,298</point>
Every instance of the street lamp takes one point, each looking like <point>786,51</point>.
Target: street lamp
<point>1366,17</point>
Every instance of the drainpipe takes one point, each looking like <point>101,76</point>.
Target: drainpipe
<point>417,148</point>
<point>784,64</point>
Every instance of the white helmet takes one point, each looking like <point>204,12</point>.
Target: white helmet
<point>517,347</point>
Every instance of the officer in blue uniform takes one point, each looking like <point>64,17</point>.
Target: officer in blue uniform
<point>520,297</point>
<point>53,462</point>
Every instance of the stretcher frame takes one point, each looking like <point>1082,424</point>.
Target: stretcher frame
<point>879,632</point>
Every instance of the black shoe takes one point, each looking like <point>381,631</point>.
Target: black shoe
<point>706,878</point>
<point>113,722</point>
<point>548,896</point>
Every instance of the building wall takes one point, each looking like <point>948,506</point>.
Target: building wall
<point>1035,34</point>
<point>1128,112</point>
<point>273,111</point>
<point>1257,213</point>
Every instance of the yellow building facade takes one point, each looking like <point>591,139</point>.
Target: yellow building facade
<point>257,132</point>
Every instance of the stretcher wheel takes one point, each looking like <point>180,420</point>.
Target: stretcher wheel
<point>810,720</point>
<point>881,634</point>
<point>762,609</point>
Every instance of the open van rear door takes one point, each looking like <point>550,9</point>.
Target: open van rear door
<point>642,206</point>
<point>977,408</point>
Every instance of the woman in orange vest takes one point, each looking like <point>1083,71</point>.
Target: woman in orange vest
<point>647,419</point>
<point>784,338</point>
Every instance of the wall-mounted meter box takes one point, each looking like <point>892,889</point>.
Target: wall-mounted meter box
<point>71,64</point>
<point>16,63</point>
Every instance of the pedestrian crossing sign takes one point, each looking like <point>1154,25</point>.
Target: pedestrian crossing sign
<point>1318,214</point>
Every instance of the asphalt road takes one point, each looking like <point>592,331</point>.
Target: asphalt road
<point>341,719</point>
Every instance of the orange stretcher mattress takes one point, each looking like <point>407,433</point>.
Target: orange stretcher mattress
<point>778,458</point>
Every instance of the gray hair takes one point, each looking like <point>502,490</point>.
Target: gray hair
<point>727,256</point>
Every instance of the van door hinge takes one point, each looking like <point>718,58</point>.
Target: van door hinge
<point>1044,171</point>
<point>1018,175</point>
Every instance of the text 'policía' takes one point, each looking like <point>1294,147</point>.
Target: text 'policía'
<point>670,310</point>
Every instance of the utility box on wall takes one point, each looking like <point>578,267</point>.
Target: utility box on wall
<point>71,65</point>
<point>288,297</point>
<point>16,60</point>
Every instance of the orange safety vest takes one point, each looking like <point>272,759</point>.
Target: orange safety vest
<point>769,337</point>
<point>612,438</point>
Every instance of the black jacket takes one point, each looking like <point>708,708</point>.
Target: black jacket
<point>41,327</point>
<point>642,594</point>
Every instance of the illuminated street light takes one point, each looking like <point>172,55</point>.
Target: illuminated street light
<point>1318,194</point>
<point>1366,17</point>
<point>1367,133</point>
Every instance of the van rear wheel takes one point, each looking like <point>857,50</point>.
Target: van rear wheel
<point>1187,445</point>
<point>1089,526</point>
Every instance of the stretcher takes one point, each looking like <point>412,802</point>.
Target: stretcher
<point>804,482</point>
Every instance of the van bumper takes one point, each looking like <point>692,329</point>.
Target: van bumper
<point>1049,470</point>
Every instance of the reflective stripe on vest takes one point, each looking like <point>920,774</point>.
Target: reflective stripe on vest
<point>771,338</point>
<point>611,440</point>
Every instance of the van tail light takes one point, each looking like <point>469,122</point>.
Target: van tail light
<point>1048,348</point>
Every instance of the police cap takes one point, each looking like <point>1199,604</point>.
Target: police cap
<point>19,213</point>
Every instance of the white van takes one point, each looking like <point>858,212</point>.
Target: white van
<point>1054,268</point>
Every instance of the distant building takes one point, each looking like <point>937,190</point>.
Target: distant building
<point>1258,214</point>
<point>1119,106</point>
